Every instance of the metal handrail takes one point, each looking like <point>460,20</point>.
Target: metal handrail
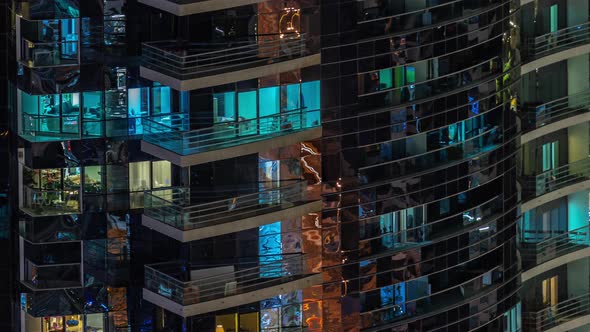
<point>184,58</point>
<point>558,177</point>
<point>560,39</point>
<point>558,109</point>
<point>173,206</point>
<point>175,136</point>
<point>557,314</point>
<point>557,246</point>
<point>264,274</point>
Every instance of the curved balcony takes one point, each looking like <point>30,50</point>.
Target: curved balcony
<point>555,183</point>
<point>170,139</point>
<point>190,7</point>
<point>564,316</point>
<point>557,46</point>
<point>554,246</point>
<point>555,115</point>
<point>187,289</point>
<point>188,66</point>
<point>39,203</point>
<point>177,213</point>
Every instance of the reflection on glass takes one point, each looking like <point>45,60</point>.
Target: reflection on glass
<point>93,182</point>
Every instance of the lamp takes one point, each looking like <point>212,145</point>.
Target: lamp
<point>219,328</point>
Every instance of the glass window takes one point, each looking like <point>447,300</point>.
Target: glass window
<point>116,178</point>
<point>247,111</point>
<point>248,322</point>
<point>224,107</point>
<point>269,100</point>
<point>72,178</point>
<point>92,128</point>
<point>310,99</point>
<point>138,102</point>
<point>161,174</point>
<point>115,104</point>
<point>161,100</point>
<point>93,181</point>
<point>310,94</point>
<point>93,108</point>
<point>269,319</point>
<point>229,322</point>
<point>95,322</point>
<point>269,103</point>
<point>291,97</point>
<point>51,179</point>
<point>385,79</point>
<point>139,176</point>
<point>31,177</point>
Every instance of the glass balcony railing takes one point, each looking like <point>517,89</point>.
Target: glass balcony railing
<point>38,202</point>
<point>554,245</point>
<point>187,284</point>
<point>559,40</point>
<point>556,110</point>
<point>52,276</point>
<point>66,301</point>
<point>39,230</point>
<point>171,133</point>
<point>560,313</point>
<point>185,60</point>
<point>177,207</point>
<point>556,178</point>
<point>47,54</point>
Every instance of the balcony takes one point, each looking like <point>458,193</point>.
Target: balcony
<point>556,46</point>
<point>39,203</point>
<point>177,212</point>
<point>188,290</point>
<point>552,245</point>
<point>69,301</point>
<point>51,229</point>
<point>559,40</point>
<point>52,276</point>
<point>555,115</point>
<point>555,179</point>
<point>170,139</point>
<point>188,66</point>
<point>567,315</point>
<point>190,7</point>
<point>49,54</point>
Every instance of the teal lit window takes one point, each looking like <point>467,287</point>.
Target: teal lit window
<point>161,100</point>
<point>224,107</point>
<point>247,110</point>
<point>550,156</point>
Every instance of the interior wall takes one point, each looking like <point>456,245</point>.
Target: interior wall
<point>577,12</point>
<point>577,209</point>
<point>578,73</point>
<point>577,137</point>
<point>578,277</point>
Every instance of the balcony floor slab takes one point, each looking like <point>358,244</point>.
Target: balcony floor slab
<point>197,6</point>
<point>230,76</point>
<point>231,301</point>
<point>232,151</point>
<point>233,226</point>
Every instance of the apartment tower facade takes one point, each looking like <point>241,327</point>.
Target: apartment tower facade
<point>299,165</point>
